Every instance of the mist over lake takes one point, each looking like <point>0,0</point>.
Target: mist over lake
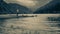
<point>41,23</point>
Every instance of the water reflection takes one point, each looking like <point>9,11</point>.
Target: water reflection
<point>27,25</point>
<point>2,20</point>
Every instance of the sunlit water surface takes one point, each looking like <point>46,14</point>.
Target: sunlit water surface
<point>28,25</point>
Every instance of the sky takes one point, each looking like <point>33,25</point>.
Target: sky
<point>31,4</point>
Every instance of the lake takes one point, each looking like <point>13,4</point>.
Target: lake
<point>29,24</point>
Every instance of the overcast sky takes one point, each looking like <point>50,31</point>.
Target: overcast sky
<point>32,4</point>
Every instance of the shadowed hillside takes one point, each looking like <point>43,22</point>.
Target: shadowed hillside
<point>4,7</point>
<point>52,7</point>
<point>11,8</point>
<point>22,10</point>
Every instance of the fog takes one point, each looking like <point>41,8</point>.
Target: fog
<point>11,24</point>
<point>31,4</point>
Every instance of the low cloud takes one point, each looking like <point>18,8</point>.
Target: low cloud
<point>31,4</point>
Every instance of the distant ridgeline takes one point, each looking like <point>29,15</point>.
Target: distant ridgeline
<point>3,7</point>
<point>51,8</point>
<point>12,8</point>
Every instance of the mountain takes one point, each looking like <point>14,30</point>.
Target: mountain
<point>11,8</point>
<point>52,7</point>
<point>3,7</point>
<point>21,9</point>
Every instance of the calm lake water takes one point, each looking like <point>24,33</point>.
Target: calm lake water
<point>40,24</point>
